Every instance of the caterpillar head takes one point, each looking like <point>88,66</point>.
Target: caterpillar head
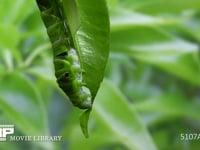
<point>63,70</point>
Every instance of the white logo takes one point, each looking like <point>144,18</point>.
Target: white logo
<point>5,130</point>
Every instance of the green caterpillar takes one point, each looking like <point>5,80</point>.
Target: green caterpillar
<point>66,63</point>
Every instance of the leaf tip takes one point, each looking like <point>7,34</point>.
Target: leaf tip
<point>84,122</point>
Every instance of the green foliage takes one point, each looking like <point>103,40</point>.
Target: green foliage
<point>92,43</point>
<point>23,106</point>
<point>151,91</point>
<point>90,39</point>
<point>91,35</point>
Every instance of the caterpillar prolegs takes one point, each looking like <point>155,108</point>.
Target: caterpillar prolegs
<point>66,63</point>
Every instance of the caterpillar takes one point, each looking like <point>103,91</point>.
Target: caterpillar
<point>66,63</point>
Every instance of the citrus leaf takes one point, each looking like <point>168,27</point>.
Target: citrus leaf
<point>160,48</point>
<point>84,122</point>
<point>5,38</point>
<point>89,24</point>
<point>157,6</point>
<point>22,104</point>
<point>170,106</point>
<point>125,126</point>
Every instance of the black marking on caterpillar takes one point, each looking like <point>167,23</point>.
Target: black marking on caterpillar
<point>66,63</point>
